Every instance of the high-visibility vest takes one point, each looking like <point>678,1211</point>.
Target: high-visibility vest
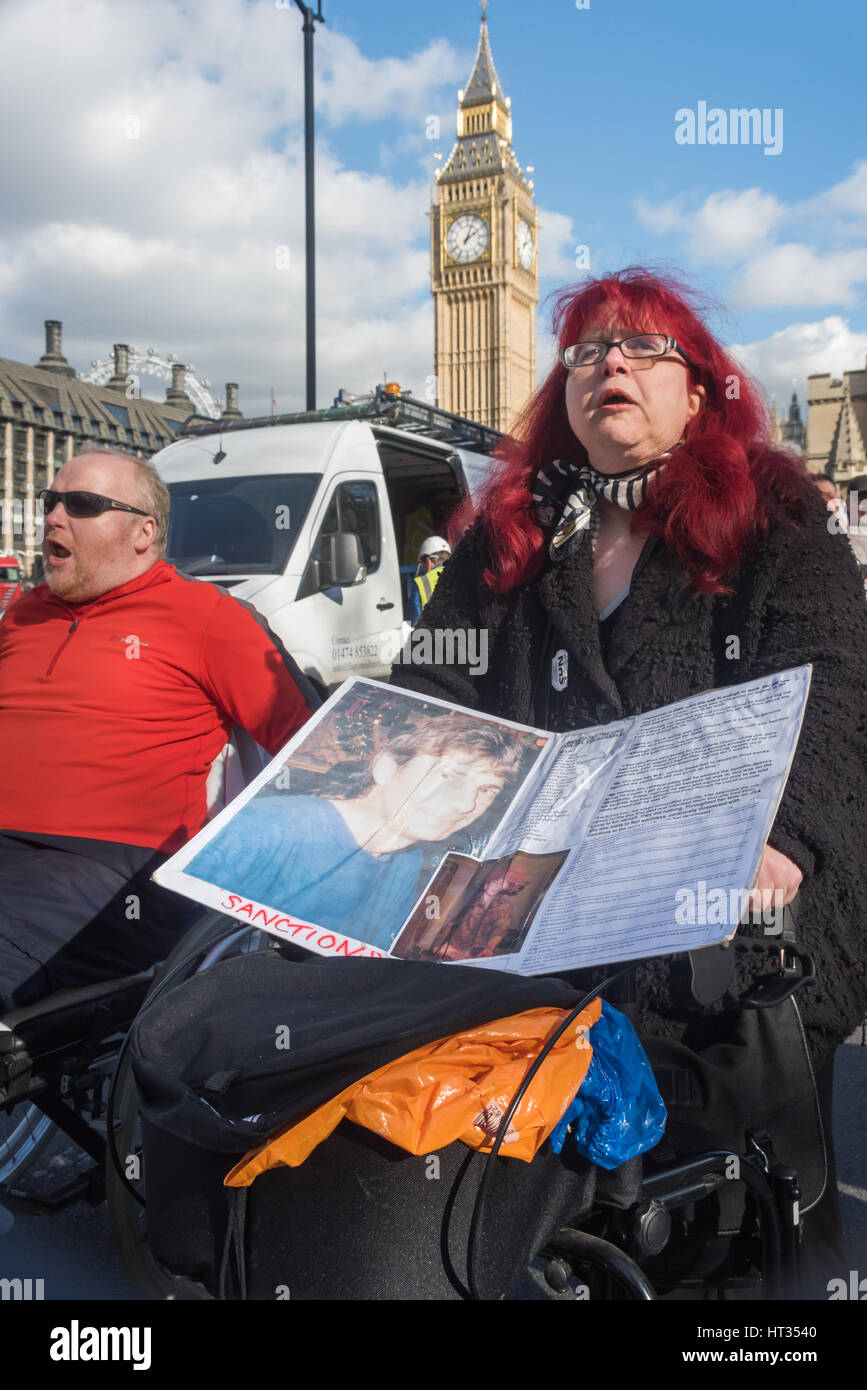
<point>428,582</point>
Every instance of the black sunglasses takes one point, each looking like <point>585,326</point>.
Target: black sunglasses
<point>80,504</point>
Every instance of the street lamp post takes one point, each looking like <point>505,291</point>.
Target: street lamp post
<point>310,19</point>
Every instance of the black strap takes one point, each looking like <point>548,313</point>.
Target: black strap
<point>678,1087</point>
<point>234,1243</point>
<point>702,977</point>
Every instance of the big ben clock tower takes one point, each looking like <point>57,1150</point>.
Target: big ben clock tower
<point>484,259</point>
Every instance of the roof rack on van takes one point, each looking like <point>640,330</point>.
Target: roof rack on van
<point>390,407</point>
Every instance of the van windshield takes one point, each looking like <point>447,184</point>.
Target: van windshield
<point>238,525</point>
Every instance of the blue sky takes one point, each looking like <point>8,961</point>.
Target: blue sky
<point>594,95</point>
<point>188,233</point>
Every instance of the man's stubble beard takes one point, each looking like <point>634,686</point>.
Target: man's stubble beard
<point>76,585</point>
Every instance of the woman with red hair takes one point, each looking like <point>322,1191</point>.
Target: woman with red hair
<point>642,542</point>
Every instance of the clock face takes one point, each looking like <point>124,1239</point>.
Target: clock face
<point>525,244</point>
<point>467,238</point>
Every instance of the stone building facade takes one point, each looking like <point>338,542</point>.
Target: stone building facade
<point>47,414</point>
<point>837,425</point>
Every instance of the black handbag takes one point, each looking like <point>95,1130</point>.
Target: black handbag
<point>230,1057</point>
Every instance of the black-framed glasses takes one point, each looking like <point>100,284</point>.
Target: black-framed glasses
<point>84,504</point>
<point>642,347</point>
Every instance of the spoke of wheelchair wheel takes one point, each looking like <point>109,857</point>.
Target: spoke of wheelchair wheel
<point>23,1144</point>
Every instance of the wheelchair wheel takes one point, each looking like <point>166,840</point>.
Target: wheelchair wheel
<point>213,939</point>
<point>28,1135</point>
<point>127,1179</point>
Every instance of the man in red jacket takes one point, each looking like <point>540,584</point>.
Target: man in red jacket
<point>120,681</point>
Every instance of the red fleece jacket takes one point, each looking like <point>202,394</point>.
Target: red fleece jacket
<point>111,712</point>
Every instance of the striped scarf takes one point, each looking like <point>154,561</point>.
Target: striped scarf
<point>583,484</point>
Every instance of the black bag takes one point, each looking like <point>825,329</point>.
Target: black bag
<point>738,1073</point>
<point>744,1071</point>
<point>232,1056</point>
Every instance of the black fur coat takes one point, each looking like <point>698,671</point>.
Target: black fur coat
<point>798,598</point>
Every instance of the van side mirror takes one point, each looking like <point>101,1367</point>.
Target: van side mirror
<point>341,561</point>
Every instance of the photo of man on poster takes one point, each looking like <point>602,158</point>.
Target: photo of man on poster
<point>353,859</point>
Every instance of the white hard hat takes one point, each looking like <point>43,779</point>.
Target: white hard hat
<point>434,545</point>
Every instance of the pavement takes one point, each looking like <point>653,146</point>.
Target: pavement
<point>850,1142</point>
<point>71,1250</point>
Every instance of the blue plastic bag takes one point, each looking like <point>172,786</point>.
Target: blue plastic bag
<point>618,1112</point>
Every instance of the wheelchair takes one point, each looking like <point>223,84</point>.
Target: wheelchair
<point>66,1062</point>
<point>56,1060</point>
<point>57,1056</point>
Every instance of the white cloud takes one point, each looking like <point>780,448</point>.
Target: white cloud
<point>848,198</point>
<point>739,229</point>
<point>102,252</point>
<point>728,226</point>
<point>354,87</point>
<point>154,174</point>
<point>557,247</point>
<point>662,217</point>
<point>792,354</point>
<point>424,140</point>
<point>794,275</point>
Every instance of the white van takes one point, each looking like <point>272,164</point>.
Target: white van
<point>316,520</point>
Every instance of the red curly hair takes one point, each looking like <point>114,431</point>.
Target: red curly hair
<point>709,502</point>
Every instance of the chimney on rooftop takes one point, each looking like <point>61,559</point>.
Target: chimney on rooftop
<point>176,395</point>
<point>53,360</point>
<point>121,367</point>
<point>231,411</point>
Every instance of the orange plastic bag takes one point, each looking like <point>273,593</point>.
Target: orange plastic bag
<point>457,1088</point>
